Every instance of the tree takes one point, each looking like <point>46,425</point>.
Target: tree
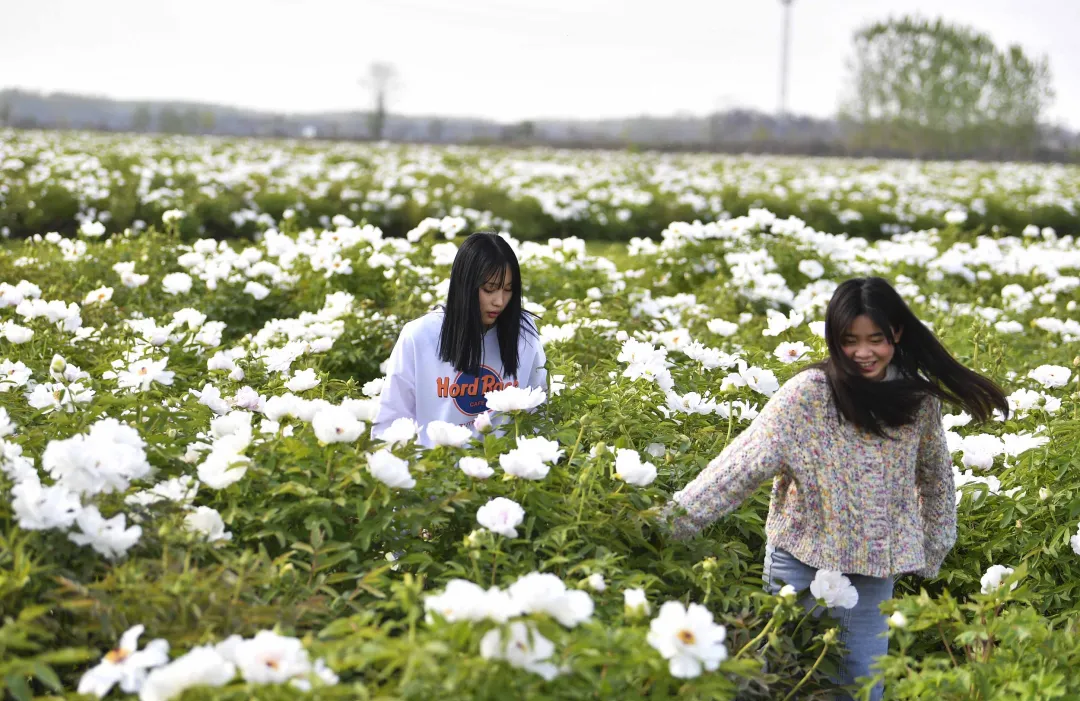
<point>207,120</point>
<point>170,121</point>
<point>938,89</point>
<point>141,118</point>
<point>381,79</point>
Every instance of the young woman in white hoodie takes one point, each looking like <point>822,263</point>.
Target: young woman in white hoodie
<point>445,362</point>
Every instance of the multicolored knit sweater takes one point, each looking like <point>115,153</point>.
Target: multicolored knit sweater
<point>842,498</point>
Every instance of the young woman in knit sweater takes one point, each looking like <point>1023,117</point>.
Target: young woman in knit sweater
<point>864,480</point>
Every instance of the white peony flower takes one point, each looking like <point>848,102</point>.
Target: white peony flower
<point>267,658</point>
<point>523,464</point>
<point>1050,376</point>
<point>993,578</point>
<point>105,459</point>
<point>39,508</point>
<point>834,589</point>
<point>635,602</point>
<point>788,352</point>
<point>501,516</point>
<point>142,373</point>
<point>542,592</point>
<point>955,217</point>
<point>779,323</point>
<point>256,289</point>
<point>207,521</point>
<point>688,638</point>
<point>524,648</point>
<point>109,537</point>
<point>320,672</point>
<point>980,449</point>
<point>475,467</point>
<point>7,426</point>
<point>336,425</point>
<point>445,433</point>
<point>180,490</point>
<point>363,409</point>
<point>303,380</point>
<point>374,387</point>
<point>630,468</point>
<point>176,284</point>
<point>811,268</point>
<point>596,582</point>
<point>400,431</point>
<point>222,468</point>
<point>483,422</point>
<point>951,421</point>
<point>201,666</point>
<point>13,375</point>
<point>125,665</point>
<point>390,470</point>
<point>545,449</point>
<point>15,333</point>
<point>464,601</point>
<point>98,296</point>
<point>515,399</point>
<point>721,327</point>
<point>1018,443</point>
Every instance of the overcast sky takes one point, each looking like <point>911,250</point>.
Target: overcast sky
<point>503,59</point>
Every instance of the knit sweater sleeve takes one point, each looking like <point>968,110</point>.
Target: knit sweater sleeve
<point>937,491</point>
<point>755,455</point>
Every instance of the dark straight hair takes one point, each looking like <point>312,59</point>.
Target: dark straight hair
<point>926,367</point>
<point>482,257</point>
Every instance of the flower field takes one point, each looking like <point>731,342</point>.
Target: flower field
<point>106,183</point>
<point>191,504</point>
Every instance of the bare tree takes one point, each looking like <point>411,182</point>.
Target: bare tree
<point>380,80</point>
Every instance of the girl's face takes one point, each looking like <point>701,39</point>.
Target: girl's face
<point>866,344</point>
<point>494,297</point>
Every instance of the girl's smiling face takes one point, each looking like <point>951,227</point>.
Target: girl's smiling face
<point>495,294</point>
<point>865,343</point>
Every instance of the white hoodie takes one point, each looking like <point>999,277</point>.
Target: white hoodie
<point>421,386</point>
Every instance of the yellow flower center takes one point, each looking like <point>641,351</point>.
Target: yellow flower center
<point>117,656</point>
<point>685,637</point>
<point>143,370</point>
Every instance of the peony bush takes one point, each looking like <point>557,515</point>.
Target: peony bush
<point>91,185</point>
<point>186,455</point>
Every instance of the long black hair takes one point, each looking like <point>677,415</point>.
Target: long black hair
<point>925,366</point>
<point>482,257</point>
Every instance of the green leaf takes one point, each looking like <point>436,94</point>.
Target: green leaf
<point>18,687</point>
<point>47,676</point>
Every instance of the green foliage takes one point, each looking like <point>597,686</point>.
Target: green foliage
<point>322,550</point>
<point>934,89</point>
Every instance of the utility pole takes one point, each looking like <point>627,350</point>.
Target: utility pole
<point>784,58</point>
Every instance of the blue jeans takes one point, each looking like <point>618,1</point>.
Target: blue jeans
<point>862,628</point>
